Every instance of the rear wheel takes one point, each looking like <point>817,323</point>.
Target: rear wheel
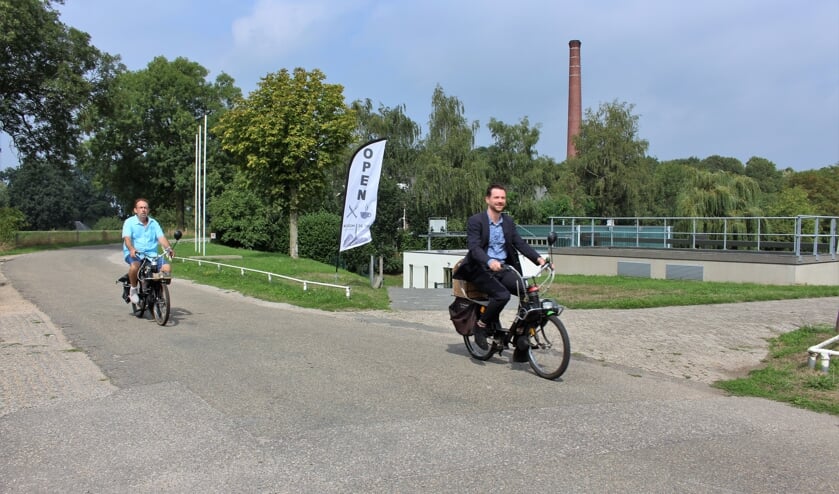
<point>160,306</point>
<point>550,349</point>
<point>494,332</point>
<point>476,351</point>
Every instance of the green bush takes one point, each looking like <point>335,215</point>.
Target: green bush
<point>108,223</point>
<point>318,236</point>
<point>11,220</point>
<point>240,218</point>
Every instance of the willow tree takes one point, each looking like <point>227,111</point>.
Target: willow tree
<point>452,178</point>
<point>610,162</point>
<point>287,135</point>
<point>711,195</point>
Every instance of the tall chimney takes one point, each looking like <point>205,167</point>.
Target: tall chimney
<point>575,98</point>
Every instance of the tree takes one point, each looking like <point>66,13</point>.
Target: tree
<point>719,194</point>
<point>50,75</point>
<point>144,143</point>
<point>718,163</point>
<point>670,179</point>
<point>45,194</point>
<point>287,135</point>
<point>453,177</point>
<point>765,173</point>
<point>610,159</point>
<point>513,153</point>
<point>822,188</point>
<point>241,218</point>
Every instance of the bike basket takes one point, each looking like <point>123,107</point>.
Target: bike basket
<point>464,314</point>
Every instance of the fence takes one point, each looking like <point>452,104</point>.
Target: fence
<point>270,275</point>
<point>797,235</point>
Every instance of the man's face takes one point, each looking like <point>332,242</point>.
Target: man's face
<point>496,200</point>
<point>142,210</point>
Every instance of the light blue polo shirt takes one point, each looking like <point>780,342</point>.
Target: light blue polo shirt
<point>144,237</point>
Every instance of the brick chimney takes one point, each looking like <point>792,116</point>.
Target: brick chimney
<point>575,98</point>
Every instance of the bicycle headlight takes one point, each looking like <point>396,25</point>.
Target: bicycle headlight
<point>550,305</point>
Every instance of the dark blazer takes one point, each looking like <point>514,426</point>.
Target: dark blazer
<point>477,240</point>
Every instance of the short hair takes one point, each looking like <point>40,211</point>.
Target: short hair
<point>495,185</point>
<point>137,200</point>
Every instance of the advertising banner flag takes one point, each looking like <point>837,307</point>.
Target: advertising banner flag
<point>362,195</point>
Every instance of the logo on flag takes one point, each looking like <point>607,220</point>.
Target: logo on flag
<point>362,195</point>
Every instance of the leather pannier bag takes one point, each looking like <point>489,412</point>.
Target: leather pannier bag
<point>464,314</point>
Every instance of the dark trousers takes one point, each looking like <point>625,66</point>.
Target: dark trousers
<point>498,285</point>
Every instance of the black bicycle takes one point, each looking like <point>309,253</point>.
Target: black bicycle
<point>152,288</point>
<point>536,330</point>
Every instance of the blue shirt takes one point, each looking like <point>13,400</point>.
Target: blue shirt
<point>495,250</point>
<point>144,237</point>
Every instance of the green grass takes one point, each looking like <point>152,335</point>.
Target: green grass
<point>620,292</point>
<point>362,295</point>
<point>786,377</point>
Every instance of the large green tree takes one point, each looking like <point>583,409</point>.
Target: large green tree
<point>610,161</point>
<point>822,188</point>
<point>287,136</point>
<point>718,194</point>
<point>453,177</point>
<point>143,144</point>
<point>50,75</point>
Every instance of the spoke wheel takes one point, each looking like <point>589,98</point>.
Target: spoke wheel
<point>550,349</point>
<point>160,303</point>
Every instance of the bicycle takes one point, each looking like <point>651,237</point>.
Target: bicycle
<point>536,329</point>
<point>152,287</point>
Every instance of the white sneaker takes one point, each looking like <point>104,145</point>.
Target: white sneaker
<point>133,296</point>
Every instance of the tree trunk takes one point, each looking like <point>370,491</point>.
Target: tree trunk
<point>292,234</point>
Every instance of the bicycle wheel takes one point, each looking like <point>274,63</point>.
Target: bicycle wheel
<point>476,351</point>
<point>160,305</point>
<point>550,351</point>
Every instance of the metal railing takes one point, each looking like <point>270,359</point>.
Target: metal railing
<point>270,275</point>
<point>798,235</point>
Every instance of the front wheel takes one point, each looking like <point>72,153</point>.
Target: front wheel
<point>161,304</point>
<point>550,349</point>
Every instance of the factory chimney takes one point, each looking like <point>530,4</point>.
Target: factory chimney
<point>575,103</point>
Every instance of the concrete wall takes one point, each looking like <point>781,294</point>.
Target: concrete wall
<point>723,267</point>
<point>428,269</point>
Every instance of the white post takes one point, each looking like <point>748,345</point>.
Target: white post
<point>195,190</point>
<point>204,199</point>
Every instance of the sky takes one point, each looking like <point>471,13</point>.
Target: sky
<point>736,78</point>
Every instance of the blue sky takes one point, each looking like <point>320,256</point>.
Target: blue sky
<point>737,78</point>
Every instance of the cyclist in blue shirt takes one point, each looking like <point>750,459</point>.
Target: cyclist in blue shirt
<point>142,233</point>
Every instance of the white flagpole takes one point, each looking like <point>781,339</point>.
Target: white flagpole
<point>196,207</point>
<point>204,199</point>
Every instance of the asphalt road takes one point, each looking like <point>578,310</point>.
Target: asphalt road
<point>236,395</point>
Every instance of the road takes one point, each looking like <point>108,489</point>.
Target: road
<point>237,395</point>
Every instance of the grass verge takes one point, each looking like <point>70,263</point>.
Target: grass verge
<point>786,377</point>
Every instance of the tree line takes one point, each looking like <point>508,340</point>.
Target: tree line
<point>92,136</point>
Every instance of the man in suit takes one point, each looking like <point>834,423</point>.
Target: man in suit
<point>493,241</point>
